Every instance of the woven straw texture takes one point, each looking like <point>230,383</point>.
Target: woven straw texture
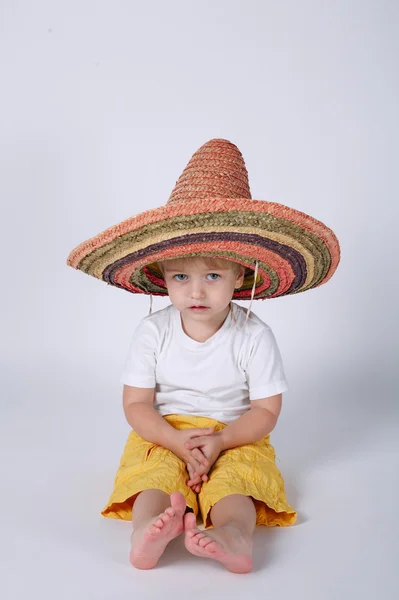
<point>211,213</point>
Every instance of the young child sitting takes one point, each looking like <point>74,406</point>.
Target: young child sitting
<point>203,380</point>
<point>186,398</point>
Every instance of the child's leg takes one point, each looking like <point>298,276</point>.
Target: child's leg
<point>230,542</point>
<point>157,519</point>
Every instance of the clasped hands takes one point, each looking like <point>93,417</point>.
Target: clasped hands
<point>199,449</point>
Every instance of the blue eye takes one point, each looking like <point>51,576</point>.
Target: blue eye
<point>179,276</point>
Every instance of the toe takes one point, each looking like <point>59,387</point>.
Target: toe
<point>204,541</point>
<point>178,503</point>
<point>199,535</point>
<point>155,529</point>
<point>190,522</point>
<point>211,547</point>
<point>158,523</point>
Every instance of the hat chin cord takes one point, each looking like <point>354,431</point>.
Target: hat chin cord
<point>250,304</point>
<point>252,293</point>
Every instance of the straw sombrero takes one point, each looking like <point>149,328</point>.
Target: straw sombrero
<point>211,213</point>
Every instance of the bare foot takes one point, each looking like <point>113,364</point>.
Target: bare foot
<point>150,540</point>
<point>226,544</point>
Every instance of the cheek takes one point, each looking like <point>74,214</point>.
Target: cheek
<point>174,290</point>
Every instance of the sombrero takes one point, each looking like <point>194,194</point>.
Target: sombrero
<point>211,213</point>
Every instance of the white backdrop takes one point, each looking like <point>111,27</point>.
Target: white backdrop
<point>102,104</point>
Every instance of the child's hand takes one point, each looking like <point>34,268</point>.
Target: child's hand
<point>195,457</point>
<point>195,482</point>
<point>211,446</point>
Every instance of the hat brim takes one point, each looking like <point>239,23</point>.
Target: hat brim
<point>295,252</point>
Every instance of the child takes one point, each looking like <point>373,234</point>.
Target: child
<point>203,380</point>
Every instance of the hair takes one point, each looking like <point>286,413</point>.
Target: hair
<point>212,262</point>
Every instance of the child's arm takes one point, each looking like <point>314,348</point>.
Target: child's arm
<point>142,417</point>
<point>151,426</point>
<point>253,425</point>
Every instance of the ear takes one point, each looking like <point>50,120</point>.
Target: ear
<point>240,278</point>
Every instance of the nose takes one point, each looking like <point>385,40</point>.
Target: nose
<point>196,290</point>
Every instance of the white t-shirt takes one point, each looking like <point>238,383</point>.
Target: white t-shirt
<point>217,378</point>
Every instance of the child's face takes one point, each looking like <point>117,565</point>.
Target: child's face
<point>196,284</point>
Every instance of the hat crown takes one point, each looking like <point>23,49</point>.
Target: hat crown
<point>216,170</point>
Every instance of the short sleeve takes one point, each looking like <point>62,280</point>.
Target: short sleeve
<point>265,371</point>
<point>139,368</point>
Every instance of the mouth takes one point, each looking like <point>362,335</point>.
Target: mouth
<point>199,308</point>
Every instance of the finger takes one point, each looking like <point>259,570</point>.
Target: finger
<point>194,480</point>
<point>195,465</point>
<point>195,442</point>
<point>198,455</point>
<point>198,474</point>
<point>204,477</point>
<point>202,431</point>
<point>200,470</point>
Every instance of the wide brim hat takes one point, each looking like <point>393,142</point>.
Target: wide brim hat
<point>211,213</point>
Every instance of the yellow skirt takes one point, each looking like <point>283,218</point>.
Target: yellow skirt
<point>249,470</point>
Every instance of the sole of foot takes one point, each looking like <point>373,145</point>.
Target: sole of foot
<point>233,551</point>
<point>150,541</point>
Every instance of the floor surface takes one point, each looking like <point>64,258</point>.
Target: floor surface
<point>60,447</point>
